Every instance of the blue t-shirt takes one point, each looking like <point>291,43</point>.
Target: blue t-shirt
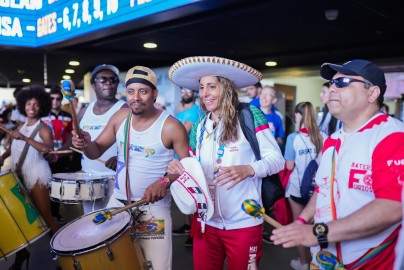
<point>275,125</point>
<point>256,102</point>
<point>189,115</point>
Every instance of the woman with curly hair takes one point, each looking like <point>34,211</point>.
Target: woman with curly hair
<point>34,103</point>
<point>231,170</point>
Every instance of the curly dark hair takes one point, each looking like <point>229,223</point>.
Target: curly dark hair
<point>34,91</point>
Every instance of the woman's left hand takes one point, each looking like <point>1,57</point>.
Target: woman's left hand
<point>234,174</point>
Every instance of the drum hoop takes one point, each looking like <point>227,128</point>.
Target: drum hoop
<point>94,247</point>
<point>91,176</point>
<point>81,181</point>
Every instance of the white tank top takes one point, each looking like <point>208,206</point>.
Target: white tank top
<point>94,124</point>
<point>148,160</point>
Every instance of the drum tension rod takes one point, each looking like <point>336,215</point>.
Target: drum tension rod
<point>76,263</point>
<point>110,254</point>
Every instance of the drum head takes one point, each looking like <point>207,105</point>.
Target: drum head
<point>83,233</point>
<point>77,176</point>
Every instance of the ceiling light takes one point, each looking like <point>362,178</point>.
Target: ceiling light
<point>74,63</point>
<point>331,14</point>
<point>271,64</point>
<point>150,45</point>
<point>66,77</point>
<point>69,71</point>
<point>26,80</point>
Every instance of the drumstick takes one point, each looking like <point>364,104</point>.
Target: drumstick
<point>81,152</point>
<point>61,152</point>
<point>103,215</point>
<point>253,208</point>
<point>4,129</point>
<point>68,92</point>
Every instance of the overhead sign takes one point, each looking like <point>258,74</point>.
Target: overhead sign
<point>36,23</point>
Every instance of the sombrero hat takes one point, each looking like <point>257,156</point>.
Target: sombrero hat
<point>190,191</point>
<point>187,72</point>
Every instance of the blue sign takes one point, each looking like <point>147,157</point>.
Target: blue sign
<point>33,23</point>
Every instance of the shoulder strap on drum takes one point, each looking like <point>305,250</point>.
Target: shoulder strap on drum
<point>27,145</point>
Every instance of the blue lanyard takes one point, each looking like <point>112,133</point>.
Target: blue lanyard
<point>219,152</point>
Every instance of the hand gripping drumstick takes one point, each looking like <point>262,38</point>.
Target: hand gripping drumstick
<point>4,129</point>
<point>68,92</point>
<point>253,208</point>
<point>105,214</point>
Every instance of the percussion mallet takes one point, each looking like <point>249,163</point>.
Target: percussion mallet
<point>68,89</point>
<point>81,152</point>
<point>105,214</point>
<point>253,208</point>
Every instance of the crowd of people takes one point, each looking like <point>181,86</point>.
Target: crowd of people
<point>351,221</point>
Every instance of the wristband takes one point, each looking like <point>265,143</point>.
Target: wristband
<point>302,220</point>
<point>165,183</point>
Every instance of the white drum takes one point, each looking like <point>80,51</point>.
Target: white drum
<point>72,188</point>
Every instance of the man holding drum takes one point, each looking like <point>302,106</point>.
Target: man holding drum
<point>146,139</point>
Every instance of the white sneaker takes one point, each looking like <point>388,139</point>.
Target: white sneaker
<point>297,265</point>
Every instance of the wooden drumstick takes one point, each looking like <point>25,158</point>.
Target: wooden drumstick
<point>68,92</point>
<point>104,215</point>
<point>81,152</point>
<point>61,152</point>
<point>4,128</point>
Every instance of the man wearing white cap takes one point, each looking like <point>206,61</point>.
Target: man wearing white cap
<point>232,172</point>
<point>147,138</point>
<point>356,209</point>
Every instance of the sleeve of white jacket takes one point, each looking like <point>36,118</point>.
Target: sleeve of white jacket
<point>272,160</point>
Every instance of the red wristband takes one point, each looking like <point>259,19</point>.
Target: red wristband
<point>163,182</point>
<point>302,220</point>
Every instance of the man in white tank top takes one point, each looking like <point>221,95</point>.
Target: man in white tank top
<point>93,119</point>
<point>145,147</point>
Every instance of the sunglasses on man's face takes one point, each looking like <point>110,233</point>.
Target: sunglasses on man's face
<point>103,79</point>
<point>342,82</point>
<point>188,91</point>
<point>56,98</point>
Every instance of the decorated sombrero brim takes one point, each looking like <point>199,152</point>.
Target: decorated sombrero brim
<point>187,72</point>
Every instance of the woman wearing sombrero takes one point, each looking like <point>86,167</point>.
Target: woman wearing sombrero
<point>231,170</point>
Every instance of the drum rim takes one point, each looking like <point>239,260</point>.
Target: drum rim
<point>93,247</point>
<point>81,181</point>
<point>91,175</point>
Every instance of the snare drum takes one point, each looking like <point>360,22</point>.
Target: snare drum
<point>20,222</point>
<point>72,188</point>
<point>81,244</point>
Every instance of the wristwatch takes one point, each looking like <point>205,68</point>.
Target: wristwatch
<point>320,230</point>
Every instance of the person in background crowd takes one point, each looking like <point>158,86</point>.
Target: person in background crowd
<point>254,92</point>
<point>267,99</point>
<point>160,103</point>
<point>384,108</point>
<point>153,136</point>
<point>231,170</point>
<point>93,119</point>
<point>356,208</point>
<point>188,115</point>
<point>33,103</point>
<point>328,123</point>
<point>301,147</point>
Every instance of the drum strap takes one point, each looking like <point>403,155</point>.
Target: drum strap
<point>126,153</point>
<point>25,150</point>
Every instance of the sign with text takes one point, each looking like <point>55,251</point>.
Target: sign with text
<point>36,23</point>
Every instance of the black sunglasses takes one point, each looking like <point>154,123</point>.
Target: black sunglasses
<point>56,98</point>
<point>342,82</point>
<point>103,79</point>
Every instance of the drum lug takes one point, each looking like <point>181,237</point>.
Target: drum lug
<point>76,264</point>
<point>110,254</point>
<point>91,191</point>
<point>77,191</point>
<point>147,265</point>
<point>62,190</point>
